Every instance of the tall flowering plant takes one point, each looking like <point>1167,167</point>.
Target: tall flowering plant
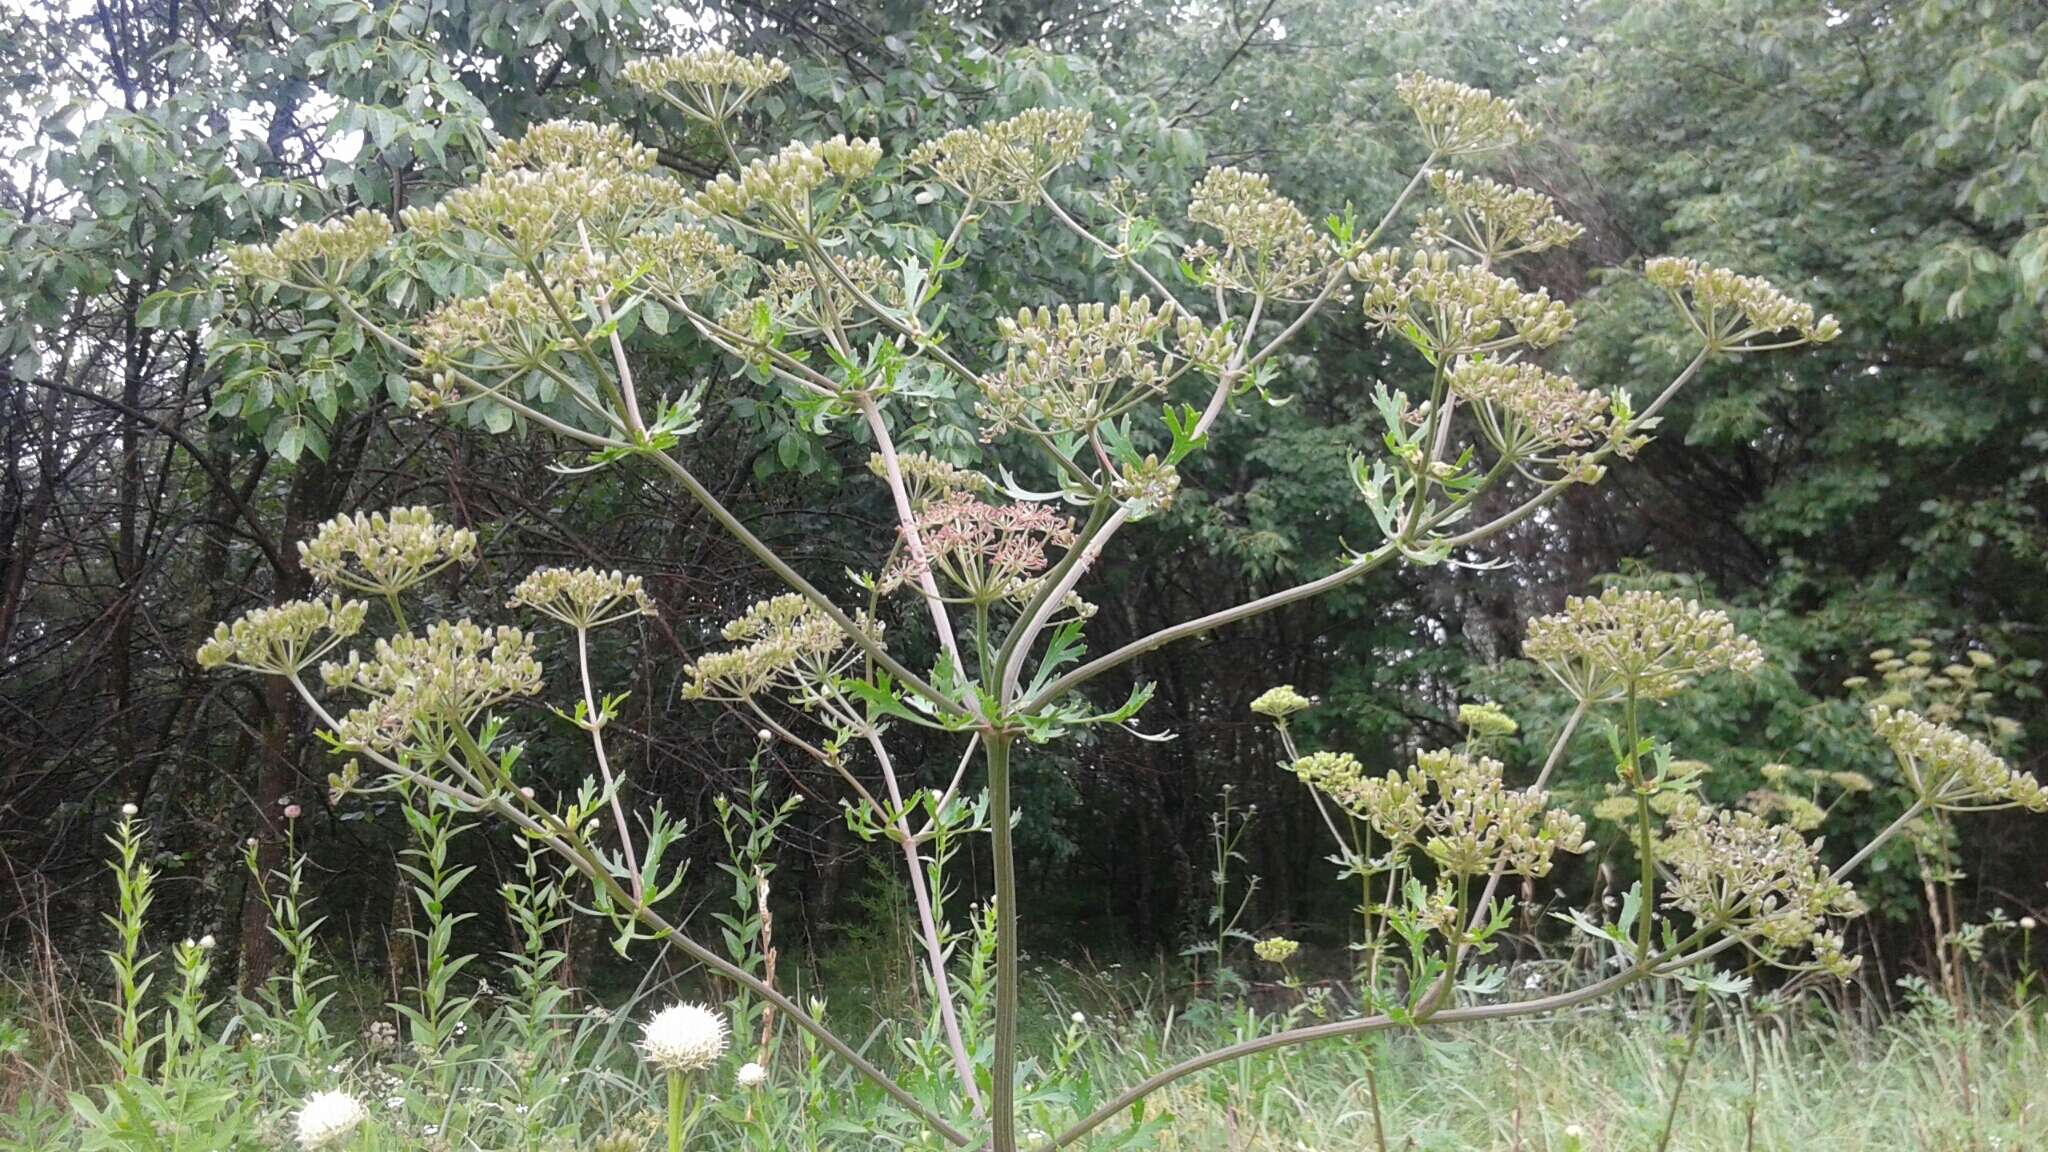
<point>975,615</point>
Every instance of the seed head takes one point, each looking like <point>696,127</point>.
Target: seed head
<point>583,598</point>
<point>284,639</point>
<point>1269,248</point>
<point>1281,703</point>
<point>1736,313</point>
<point>1457,119</point>
<point>384,553</point>
<point>1276,949</point>
<point>1950,770</point>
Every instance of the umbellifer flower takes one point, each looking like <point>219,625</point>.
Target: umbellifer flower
<point>1602,648</point>
<point>1276,949</point>
<point>583,597</point>
<point>683,1038</point>
<point>384,553</point>
<point>1947,769</point>
<point>1736,313</point>
<point>1282,702</point>
<point>1005,162</point>
<point>326,1119</point>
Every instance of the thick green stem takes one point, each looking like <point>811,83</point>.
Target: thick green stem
<point>677,1093</point>
<point>1004,1118</point>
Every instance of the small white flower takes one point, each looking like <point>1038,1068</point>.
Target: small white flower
<point>764,736</point>
<point>751,1075</point>
<point>1079,1017</point>
<point>206,941</point>
<point>430,1129</point>
<point>683,1038</point>
<point>129,810</point>
<point>327,1118</point>
<point>1574,1132</point>
<point>2027,923</point>
<point>395,1103</point>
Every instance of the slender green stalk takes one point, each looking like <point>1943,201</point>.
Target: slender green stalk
<point>1004,1118</point>
<point>678,1094</point>
<point>1692,1045</point>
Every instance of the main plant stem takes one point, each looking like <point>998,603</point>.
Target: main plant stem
<point>1004,1120</point>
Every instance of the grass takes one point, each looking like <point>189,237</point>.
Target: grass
<point>1800,1080</point>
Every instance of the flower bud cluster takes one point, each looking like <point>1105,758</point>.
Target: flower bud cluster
<point>1949,770</point>
<point>384,553</point>
<point>512,323</point>
<point>1728,309</point>
<point>1276,949</point>
<point>1456,808</point>
<point>1527,411</point>
<point>1071,368</point>
<point>1491,220</point>
<point>783,183</point>
<point>1487,720</point>
<point>438,681</point>
<point>1278,704</point>
<point>1148,485</point>
<point>1269,247</point>
<point>1736,871</point>
<point>1460,309</point>
<point>1603,648</point>
<point>582,598</point>
<point>986,552</point>
<point>533,211</point>
<point>801,304</point>
<point>928,478</point>
<point>783,643</point>
<point>1457,119</point>
<point>331,250</point>
<point>283,639</point>
<point>711,85</point>
<point>1008,161</point>
<point>572,144</point>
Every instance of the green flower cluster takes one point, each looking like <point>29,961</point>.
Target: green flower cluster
<point>1731,311</point>
<point>422,688</point>
<point>1009,161</point>
<point>385,553</point>
<point>582,598</point>
<point>1269,247</point>
<point>1646,644</point>
<point>1947,769</point>
<point>1457,119</point>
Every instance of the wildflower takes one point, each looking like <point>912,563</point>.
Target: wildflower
<point>1486,720</point>
<point>1078,1018</point>
<point>285,639</point>
<point>1276,949</point>
<point>928,478</point>
<point>1279,703</point>
<point>986,552</point>
<point>1009,161</point>
<point>129,810</point>
<point>781,185</point>
<point>582,598</point>
<point>1269,247</point>
<point>2027,924</point>
<point>293,811</point>
<point>577,143</point>
<point>1491,220</point>
<point>434,682</point>
<point>1527,412</point>
<point>783,643</point>
<point>1455,309</point>
<point>330,251</point>
<point>1071,368</point>
<point>326,1119</point>
<point>206,942</point>
<point>751,1075</point>
<point>709,85</point>
<point>1733,312</point>
<point>384,553</point>
<point>1948,770</point>
<point>683,1038</point>
<point>1606,647</point>
<point>1458,119</point>
<point>1731,869</point>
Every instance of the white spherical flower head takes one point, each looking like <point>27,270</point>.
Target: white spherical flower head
<point>751,1075</point>
<point>327,1118</point>
<point>1079,1017</point>
<point>683,1038</point>
<point>129,810</point>
<point>2027,924</point>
